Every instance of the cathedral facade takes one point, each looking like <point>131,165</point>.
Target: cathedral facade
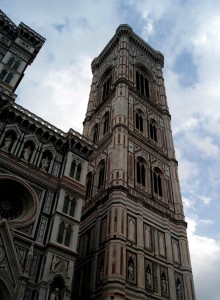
<point>98,215</point>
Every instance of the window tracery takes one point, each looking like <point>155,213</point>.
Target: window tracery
<point>157,182</point>
<point>64,234</point>
<point>142,84</point>
<point>101,174</point>
<point>96,133</point>
<point>139,121</point>
<point>75,170</point>
<point>89,185</point>
<point>141,171</point>
<point>69,205</point>
<point>106,123</point>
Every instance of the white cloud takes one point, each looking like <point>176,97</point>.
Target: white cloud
<point>205,257</point>
<point>206,200</point>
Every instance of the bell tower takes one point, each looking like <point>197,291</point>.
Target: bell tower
<point>133,242</point>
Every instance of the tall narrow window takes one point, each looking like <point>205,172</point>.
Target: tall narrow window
<point>78,172</point>
<point>139,122</point>
<point>106,123</point>
<point>153,131</point>
<point>72,207</point>
<point>96,133</point>
<point>106,88</point>
<point>89,185</point>
<point>101,178</point>
<point>157,182</point>
<point>61,232</point>
<point>140,171</point>
<point>66,204</point>
<point>73,168</point>
<point>142,84</point>
<point>68,235</point>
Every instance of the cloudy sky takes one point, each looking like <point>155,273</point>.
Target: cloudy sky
<point>56,87</point>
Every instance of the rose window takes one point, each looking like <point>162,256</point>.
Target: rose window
<point>18,201</point>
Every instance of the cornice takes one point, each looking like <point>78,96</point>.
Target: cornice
<point>140,44</point>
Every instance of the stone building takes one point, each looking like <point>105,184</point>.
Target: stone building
<point>133,242</point>
<point>42,179</point>
<point>121,174</point>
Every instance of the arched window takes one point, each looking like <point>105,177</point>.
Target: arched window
<point>106,87</point>
<point>139,121</point>
<point>157,182</point>
<point>64,234</point>
<point>101,178</point>
<point>78,172</point>
<point>96,133</point>
<point>69,205</point>
<point>73,168</point>
<point>106,123</point>
<point>141,171</point>
<point>153,131</point>
<point>61,232</point>
<point>89,185</point>
<point>142,84</point>
<point>68,235</point>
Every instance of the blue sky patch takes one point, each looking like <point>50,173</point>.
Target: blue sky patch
<point>186,69</point>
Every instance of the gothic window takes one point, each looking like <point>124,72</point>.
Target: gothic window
<point>75,170</point>
<point>78,172</point>
<point>157,182</point>
<point>96,133</point>
<point>139,122</point>
<point>153,131</point>
<point>68,235</point>
<point>61,232</point>
<point>106,123</point>
<point>64,234</point>
<point>141,171</point>
<point>89,185</point>
<point>106,88</point>
<point>69,206</point>
<point>101,174</point>
<point>142,84</point>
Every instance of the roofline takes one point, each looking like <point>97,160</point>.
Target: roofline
<point>126,30</point>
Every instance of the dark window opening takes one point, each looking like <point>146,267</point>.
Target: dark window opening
<point>142,84</point>
<point>157,181</point>
<point>153,132</point>
<point>140,170</point>
<point>106,88</point>
<point>96,133</point>
<point>106,123</point>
